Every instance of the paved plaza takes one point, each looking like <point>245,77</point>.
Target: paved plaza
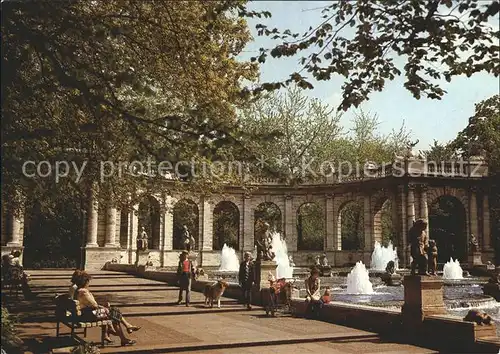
<point>167,327</point>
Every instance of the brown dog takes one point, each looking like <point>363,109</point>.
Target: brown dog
<point>214,292</point>
<point>479,317</point>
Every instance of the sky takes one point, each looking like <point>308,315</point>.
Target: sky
<point>426,119</point>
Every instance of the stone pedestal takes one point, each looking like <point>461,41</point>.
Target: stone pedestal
<point>262,269</point>
<point>325,271</point>
<point>142,258</point>
<point>475,259</point>
<point>423,297</point>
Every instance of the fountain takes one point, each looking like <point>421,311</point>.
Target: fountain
<point>358,281</point>
<point>382,255</point>
<point>229,260</point>
<point>452,270</point>
<point>284,270</point>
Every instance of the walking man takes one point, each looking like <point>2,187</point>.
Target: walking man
<point>246,277</point>
<point>185,272</point>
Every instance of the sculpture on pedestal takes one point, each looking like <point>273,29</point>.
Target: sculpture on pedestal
<point>290,261</point>
<point>390,277</point>
<point>142,240</point>
<point>419,243</point>
<point>474,244</point>
<point>187,239</point>
<point>432,254</point>
<point>264,245</point>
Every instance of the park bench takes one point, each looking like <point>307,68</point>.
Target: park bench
<point>68,313</point>
<point>12,279</point>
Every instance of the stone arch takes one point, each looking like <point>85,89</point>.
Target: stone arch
<point>383,228</point>
<point>185,212</point>
<point>149,219</point>
<point>226,228</point>
<point>124,215</point>
<point>310,227</point>
<point>351,225</point>
<point>448,226</point>
<point>53,236</point>
<point>267,212</point>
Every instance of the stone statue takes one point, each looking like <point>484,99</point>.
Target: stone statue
<point>264,245</point>
<point>324,260</point>
<point>390,269</point>
<point>187,239</point>
<point>142,240</point>
<point>318,262</point>
<point>290,261</point>
<point>474,244</point>
<point>409,149</point>
<point>419,243</point>
<point>433,255</point>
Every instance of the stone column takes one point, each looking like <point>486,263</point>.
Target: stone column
<point>290,233</point>
<point>410,216</point>
<point>248,224</point>
<point>474,229</point>
<point>487,241</point>
<point>168,224</point>
<point>133,227</point>
<point>367,221</point>
<point>402,224</point>
<point>337,230</point>
<point>16,238</point>
<point>424,210</point>
<point>205,242</point>
<point>92,221</point>
<point>110,227</point>
<point>330,224</point>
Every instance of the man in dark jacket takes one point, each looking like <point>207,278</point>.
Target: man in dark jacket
<point>185,272</point>
<point>246,277</point>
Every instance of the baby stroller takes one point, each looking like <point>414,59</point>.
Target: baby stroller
<point>280,294</point>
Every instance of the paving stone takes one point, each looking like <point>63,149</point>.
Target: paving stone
<point>166,326</point>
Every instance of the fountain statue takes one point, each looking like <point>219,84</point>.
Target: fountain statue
<point>142,240</point>
<point>419,242</point>
<point>265,255</point>
<point>452,270</point>
<point>187,239</point>
<point>433,254</point>
<point>324,269</point>
<point>229,260</point>
<point>474,252</point>
<point>358,281</point>
<point>382,255</point>
<point>290,260</point>
<point>492,288</point>
<point>264,245</point>
<point>285,268</point>
<point>390,277</point>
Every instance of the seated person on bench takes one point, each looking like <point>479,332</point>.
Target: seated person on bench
<point>92,311</point>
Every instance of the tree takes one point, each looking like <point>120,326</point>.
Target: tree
<point>482,137</point>
<point>438,152</point>
<point>303,129</point>
<point>369,42</point>
<point>118,81</point>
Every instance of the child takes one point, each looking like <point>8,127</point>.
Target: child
<point>325,299</point>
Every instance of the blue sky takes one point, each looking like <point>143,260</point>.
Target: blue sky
<point>427,119</point>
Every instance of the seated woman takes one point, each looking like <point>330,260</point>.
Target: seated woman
<point>92,311</point>
<point>74,279</point>
<point>313,296</point>
<point>14,272</point>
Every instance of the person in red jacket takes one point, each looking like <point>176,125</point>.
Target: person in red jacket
<point>185,272</point>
